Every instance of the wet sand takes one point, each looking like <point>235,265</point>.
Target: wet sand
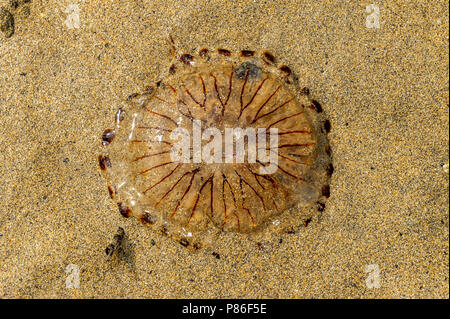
<point>385,91</point>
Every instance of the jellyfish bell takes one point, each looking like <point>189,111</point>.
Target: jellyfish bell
<point>225,143</point>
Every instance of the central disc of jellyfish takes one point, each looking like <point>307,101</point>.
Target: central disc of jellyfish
<point>225,147</point>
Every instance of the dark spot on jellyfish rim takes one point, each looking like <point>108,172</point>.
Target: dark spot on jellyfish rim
<point>187,58</point>
<point>268,57</point>
<point>124,210</point>
<point>104,162</point>
<point>172,69</point>
<point>216,255</point>
<point>203,53</point>
<point>111,191</point>
<point>326,191</point>
<point>327,126</point>
<point>224,52</point>
<point>147,218</point>
<point>158,84</point>
<point>260,246</point>
<point>107,137</point>
<point>330,169</point>
<point>285,69</point>
<point>184,242</point>
<point>247,53</point>
<point>253,70</point>
<point>307,221</point>
<point>316,106</point>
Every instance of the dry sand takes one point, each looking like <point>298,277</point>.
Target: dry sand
<point>385,90</point>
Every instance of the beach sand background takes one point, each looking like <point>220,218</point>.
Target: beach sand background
<point>385,91</point>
